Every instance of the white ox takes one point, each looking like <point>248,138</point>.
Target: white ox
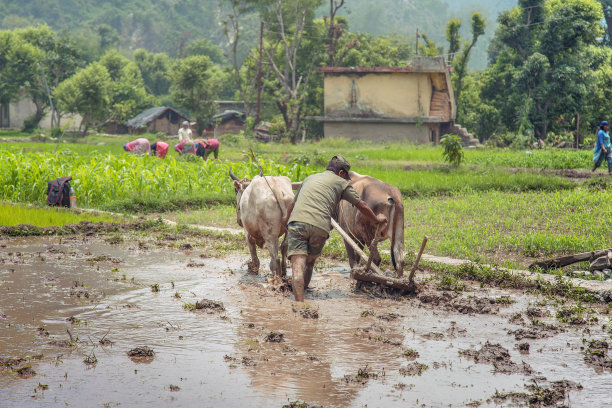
<point>259,212</point>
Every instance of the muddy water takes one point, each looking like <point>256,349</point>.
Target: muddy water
<point>222,358</point>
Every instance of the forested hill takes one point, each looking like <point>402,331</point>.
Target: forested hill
<point>169,25</point>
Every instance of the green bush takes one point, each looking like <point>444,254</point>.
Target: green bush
<point>453,150</point>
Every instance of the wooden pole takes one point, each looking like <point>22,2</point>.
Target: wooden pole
<point>353,245</point>
<point>416,45</point>
<point>258,114</point>
<point>416,263</point>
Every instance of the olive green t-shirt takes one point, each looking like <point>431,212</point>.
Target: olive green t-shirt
<point>318,196</point>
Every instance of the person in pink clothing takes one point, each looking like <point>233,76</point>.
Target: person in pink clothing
<point>160,149</point>
<point>185,146</point>
<point>138,146</point>
<point>204,147</point>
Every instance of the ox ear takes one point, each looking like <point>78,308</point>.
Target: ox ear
<point>237,185</point>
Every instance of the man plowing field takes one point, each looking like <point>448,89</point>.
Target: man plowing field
<point>310,214</point>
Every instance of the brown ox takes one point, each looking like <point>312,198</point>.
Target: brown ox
<point>383,198</point>
<point>259,212</point>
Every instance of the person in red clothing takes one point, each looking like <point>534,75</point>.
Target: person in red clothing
<point>186,146</point>
<point>160,149</point>
<point>138,146</point>
<point>204,147</point>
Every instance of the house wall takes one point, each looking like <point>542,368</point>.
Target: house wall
<point>24,108</point>
<point>389,132</point>
<point>393,95</point>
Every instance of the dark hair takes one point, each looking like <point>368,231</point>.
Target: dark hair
<point>154,146</point>
<point>338,163</point>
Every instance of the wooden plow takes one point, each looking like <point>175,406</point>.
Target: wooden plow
<point>372,273</point>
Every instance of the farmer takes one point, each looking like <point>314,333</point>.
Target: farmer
<point>138,146</point>
<point>310,215</point>
<point>184,133</point>
<point>603,148</point>
<point>204,147</point>
<point>160,149</point>
<point>186,146</point>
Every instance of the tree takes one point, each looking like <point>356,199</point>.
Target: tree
<point>154,69</point>
<point>541,73</point>
<point>60,59</point>
<point>293,79</point>
<point>232,29</point>
<point>18,65</point>
<point>607,9</point>
<point>453,37</point>
<point>88,93</point>
<point>204,46</point>
<point>128,95</point>
<point>460,61</point>
<point>194,87</point>
<point>108,37</point>
<point>334,29</point>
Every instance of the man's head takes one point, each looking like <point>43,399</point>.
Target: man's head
<point>603,124</point>
<point>339,165</point>
<point>185,124</point>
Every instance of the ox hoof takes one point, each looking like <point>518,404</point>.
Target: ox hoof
<point>253,267</point>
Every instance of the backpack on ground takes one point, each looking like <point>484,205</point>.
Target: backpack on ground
<point>58,192</point>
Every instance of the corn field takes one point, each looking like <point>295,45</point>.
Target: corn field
<point>100,179</point>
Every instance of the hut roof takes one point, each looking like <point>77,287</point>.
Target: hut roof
<point>147,116</point>
<point>228,115</point>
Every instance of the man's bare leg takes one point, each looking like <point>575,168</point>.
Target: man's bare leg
<point>310,261</point>
<point>298,265</point>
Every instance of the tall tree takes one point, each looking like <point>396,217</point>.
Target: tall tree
<point>60,59</point>
<point>290,21</point>
<point>460,62</point>
<point>18,65</point>
<point>334,29</point>
<point>154,69</point>
<point>194,87</point>
<point>88,93</point>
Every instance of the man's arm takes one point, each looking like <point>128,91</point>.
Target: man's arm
<point>367,211</point>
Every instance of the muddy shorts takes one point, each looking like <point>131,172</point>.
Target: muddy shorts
<point>305,239</point>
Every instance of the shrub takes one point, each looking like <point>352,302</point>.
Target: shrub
<point>453,150</point>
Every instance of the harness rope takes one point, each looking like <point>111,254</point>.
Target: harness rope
<point>269,186</point>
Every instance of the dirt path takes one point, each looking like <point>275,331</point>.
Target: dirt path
<point>72,308</point>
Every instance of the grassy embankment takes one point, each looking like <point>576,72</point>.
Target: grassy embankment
<point>484,213</point>
<point>11,215</point>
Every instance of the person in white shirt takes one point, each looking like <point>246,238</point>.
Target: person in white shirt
<point>184,133</point>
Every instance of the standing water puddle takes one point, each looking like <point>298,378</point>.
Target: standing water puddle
<point>263,350</point>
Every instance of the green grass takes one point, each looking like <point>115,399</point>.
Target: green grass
<point>11,215</point>
<point>496,226</point>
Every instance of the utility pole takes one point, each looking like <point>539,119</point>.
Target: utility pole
<point>258,114</point>
<point>416,45</point>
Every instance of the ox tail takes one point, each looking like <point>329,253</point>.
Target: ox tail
<point>397,236</point>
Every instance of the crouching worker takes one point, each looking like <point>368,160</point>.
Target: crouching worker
<point>204,147</point>
<point>138,146</point>
<point>160,149</point>
<point>186,146</point>
<point>310,215</point>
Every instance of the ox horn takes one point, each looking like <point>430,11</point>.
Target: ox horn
<point>260,172</point>
<point>232,175</point>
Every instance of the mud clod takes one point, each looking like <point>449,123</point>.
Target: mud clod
<point>412,369</point>
<point>300,404</point>
<point>499,357</point>
<point>186,246</point>
<point>388,316</point>
<point>248,362</point>
<point>306,312</point>
<point>362,377</point>
<point>597,355</point>
<point>210,305</point>
<point>26,372</point>
<point>141,352</point>
<point>523,348</point>
<point>274,337</point>
<point>174,388</point>
<point>42,332</point>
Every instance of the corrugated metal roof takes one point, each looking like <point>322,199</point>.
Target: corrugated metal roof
<point>147,116</point>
